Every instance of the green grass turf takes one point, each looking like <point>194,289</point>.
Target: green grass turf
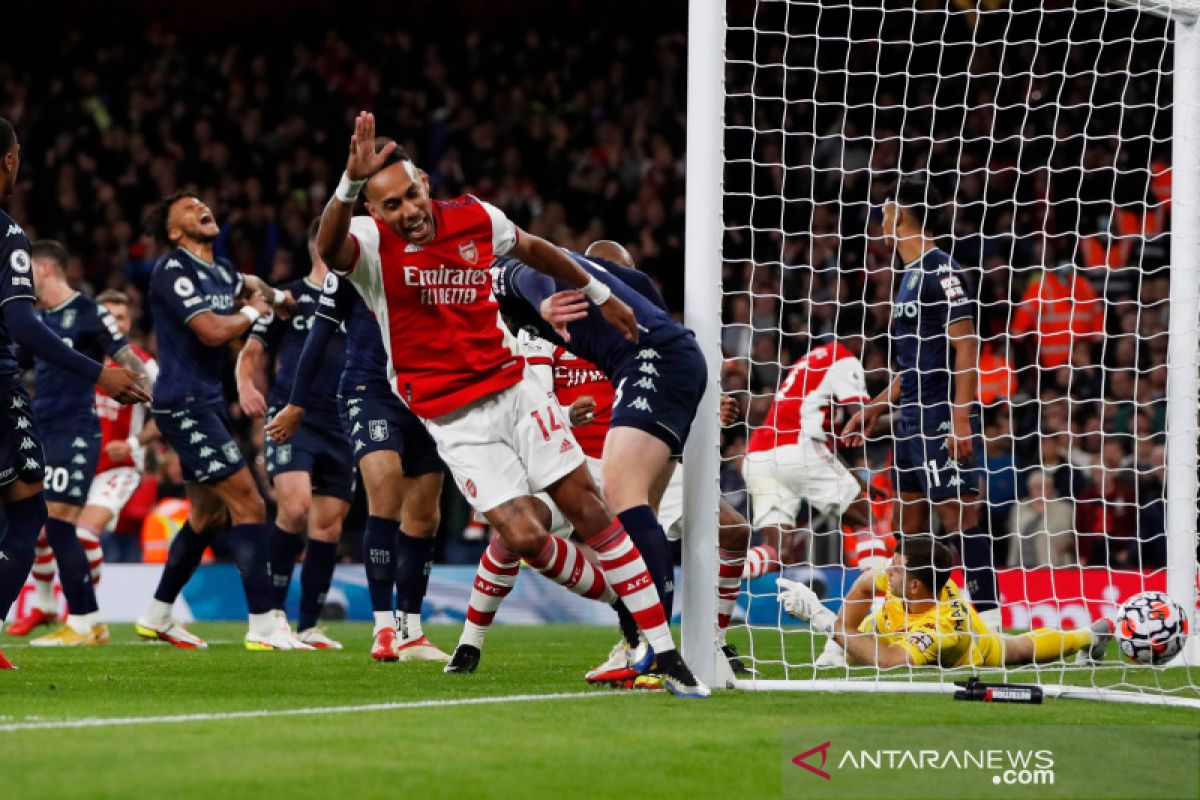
<point>613,745</point>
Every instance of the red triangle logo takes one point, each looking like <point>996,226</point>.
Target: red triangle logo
<point>801,760</point>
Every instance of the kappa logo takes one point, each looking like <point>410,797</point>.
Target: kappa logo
<point>17,402</point>
<point>356,429</point>
<point>230,449</point>
<point>802,760</point>
<point>641,405</point>
<point>358,445</point>
<point>648,369</point>
<point>645,383</point>
<point>377,429</point>
<point>19,261</point>
<point>468,251</point>
<point>955,480</point>
<point>27,443</point>
<point>13,230</point>
<point>648,354</point>
<point>215,466</point>
<point>174,264</point>
<point>31,463</point>
<point>79,459</point>
<point>206,451</point>
<point>76,475</point>
<point>187,424</point>
<point>22,423</point>
<point>75,492</point>
<point>79,442</point>
<point>197,437</point>
<point>353,412</point>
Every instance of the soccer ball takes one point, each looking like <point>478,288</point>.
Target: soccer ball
<point>1151,628</point>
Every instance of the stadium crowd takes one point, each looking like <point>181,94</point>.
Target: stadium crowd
<point>1062,220</point>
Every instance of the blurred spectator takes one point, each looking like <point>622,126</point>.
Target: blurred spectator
<point>1042,527</point>
<point>1063,311</point>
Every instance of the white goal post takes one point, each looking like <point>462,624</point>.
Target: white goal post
<point>710,26</point>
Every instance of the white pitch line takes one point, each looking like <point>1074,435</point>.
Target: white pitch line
<point>106,722</point>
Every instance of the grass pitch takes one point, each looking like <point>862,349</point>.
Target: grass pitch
<point>261,725</point>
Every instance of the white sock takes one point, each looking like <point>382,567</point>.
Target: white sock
<point>384,619</point>
<point>157,613</point>
<point>472,634</point>
<point>44,597</point>
<point>82,623</point>
<point>409,626</point>
<point>264,624</point>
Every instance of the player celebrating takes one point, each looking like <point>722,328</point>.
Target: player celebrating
<point>925,621</point>
<point>933,337</point>
<point>65,407</point>
<point>21,458</point>
<point>313,474</point>
<point>193,298</point>
<point>787,459</point>
<point>423,268</point>
<point>123,437</point>
<point>396,457</point>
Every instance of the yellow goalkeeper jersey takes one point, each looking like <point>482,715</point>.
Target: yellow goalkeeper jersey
<point>950,634</point>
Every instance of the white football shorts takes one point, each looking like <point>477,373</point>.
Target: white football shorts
<point>779,479</point>
<point>112,489</point>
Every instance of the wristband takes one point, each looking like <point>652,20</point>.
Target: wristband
<point>251,313</point>
<point>277,297</point>
<point>347,190</point>
<point>596,291</point>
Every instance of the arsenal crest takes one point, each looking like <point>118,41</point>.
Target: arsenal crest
<point>469,252</point>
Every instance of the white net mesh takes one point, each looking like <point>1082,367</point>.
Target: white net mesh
<point>1048,131</point>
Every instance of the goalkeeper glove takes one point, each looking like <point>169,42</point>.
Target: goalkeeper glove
<point>802,602</point>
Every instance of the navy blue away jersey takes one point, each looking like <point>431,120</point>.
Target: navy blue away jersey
<point>181,287</point>
<point>366,358</point>
<point>16,281</point>
<point>933,293</point>
<point>284,340</point>
<point>520,291</point>
<point>89,328</point>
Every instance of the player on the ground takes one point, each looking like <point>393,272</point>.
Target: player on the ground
<point>194,300</point>
<point>925,621</point>
<point>396,457</point>
<point>64,405</point>
<point>423,267</point>
<point>22,465</point>
<point>313,474</point>
<point>123,438</point>
<point>936,351</point>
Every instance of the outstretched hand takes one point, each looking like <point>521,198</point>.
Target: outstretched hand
<point>363,161</point>
<point>562,308</point>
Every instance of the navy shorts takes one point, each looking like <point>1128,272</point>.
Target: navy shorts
<point>375,420</point>
<point>659,391</point>
<point>72,453</point>
<point>923,462</point>
<point>319,448</point>
<point>21,455</point>
<point>202,439</point>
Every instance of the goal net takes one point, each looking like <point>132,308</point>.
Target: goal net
<point>1063,140</point>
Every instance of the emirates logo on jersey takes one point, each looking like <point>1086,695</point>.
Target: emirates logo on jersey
<point>469,252</point>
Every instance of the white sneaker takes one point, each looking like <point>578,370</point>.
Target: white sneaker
<point>832,656</point>
<point>420,649</point>
<point>624,663</point>
<point>271,631</point>
<point>316,638</point>
<point>171,631</point>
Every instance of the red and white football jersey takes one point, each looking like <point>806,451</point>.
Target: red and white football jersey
<point>573,377</point>
<point>826,374</point>
<point>446,343</point>
<point>118,422</point>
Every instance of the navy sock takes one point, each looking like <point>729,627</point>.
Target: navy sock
<point>187,548</point>
<point>315,577</point>
<point>629,626</point>
<point>414,560</point>
<point>648,535</point>
<point>379,558</point>
<point>25,519</point>
<point>73,569</point>
<point>249,543</point>
<point>282,549</point>
<point>979,568</point>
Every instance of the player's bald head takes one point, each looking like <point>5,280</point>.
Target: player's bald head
<point>610,251</point>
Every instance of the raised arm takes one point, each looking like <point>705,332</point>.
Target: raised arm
<point>337,247</point>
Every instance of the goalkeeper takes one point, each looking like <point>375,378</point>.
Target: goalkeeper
<point>924,620</point>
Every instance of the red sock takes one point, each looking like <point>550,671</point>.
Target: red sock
<point>729,582</point>
<point>761,560</point>
<point>627,574</point>
<point>494,579</point>
<point>565,564</point>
